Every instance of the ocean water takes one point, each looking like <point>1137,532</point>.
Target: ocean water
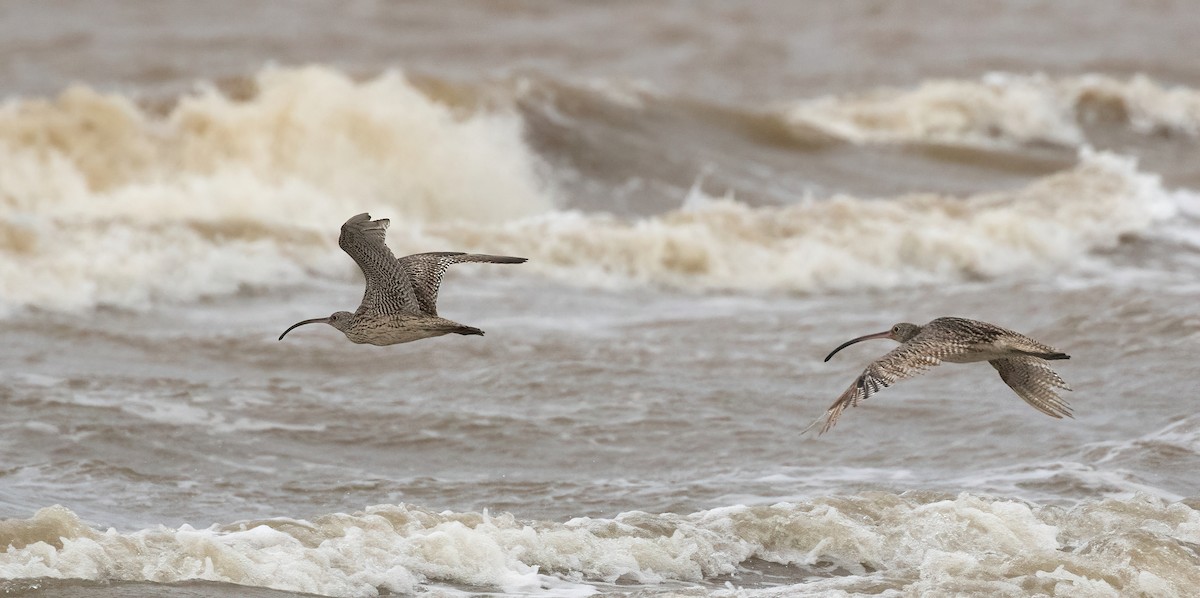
<point>711,197</point>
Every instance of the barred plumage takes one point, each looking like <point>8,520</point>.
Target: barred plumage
<point>426,270</point>
<point>1019,359</point>
<point>399,303</point>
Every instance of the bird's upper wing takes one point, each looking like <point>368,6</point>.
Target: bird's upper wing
<point>426,271</point>
<point>389,288</point>
<point>1033,380</point>
<point>920,353</point>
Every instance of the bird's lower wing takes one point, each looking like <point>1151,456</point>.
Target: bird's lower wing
<point>427,269</point>
<point>909,359</point>
<point>1033,380</point>
<point>872,380</point>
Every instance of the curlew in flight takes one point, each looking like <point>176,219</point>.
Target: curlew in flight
<point>399,304</point>
<point>1020,360</point>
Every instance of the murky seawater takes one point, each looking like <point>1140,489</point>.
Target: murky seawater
<point>711,198</point>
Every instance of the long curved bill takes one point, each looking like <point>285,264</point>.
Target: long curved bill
<point>312,321</point>
<point>884,334</point>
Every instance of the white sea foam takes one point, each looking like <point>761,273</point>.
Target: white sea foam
<point>103,202</point>
<point>913,543</point>
<point>1000,110</point>
<point>844,242</point>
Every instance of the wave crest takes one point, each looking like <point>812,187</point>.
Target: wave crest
<point>845,242</point>
<point>1000,110</point>
<point>106,202</point>
<point>916,542</point>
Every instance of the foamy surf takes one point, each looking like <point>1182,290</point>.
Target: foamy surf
<point>910,543</point>
<point>844,242</point>
<point>1000,110</point>
<point>107,203</point>
<point>104,202</point>
<point>840,243</point>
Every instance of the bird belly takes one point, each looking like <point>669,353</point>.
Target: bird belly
<point>976,356</point>
<point>394,330</point>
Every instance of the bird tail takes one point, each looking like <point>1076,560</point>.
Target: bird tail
<point>468,330</point>
<point>1049,356</point>
<point>494,259</point>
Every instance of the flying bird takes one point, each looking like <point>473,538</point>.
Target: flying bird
<point>1020,360</point>
<point>399,304</point>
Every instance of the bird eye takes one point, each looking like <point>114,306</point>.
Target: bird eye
<point>896,329</point>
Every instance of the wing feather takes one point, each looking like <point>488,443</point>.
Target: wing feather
<point>1033,380</point>
<point>426,270</point>
<point>910,359</point>
<point>389,288</point>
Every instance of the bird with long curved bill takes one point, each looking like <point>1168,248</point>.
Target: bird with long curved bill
<point>1020,360</point>
<point>399,304</point>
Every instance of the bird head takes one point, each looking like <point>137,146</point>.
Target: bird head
<point>900,333</point>
<point>338,319</point>
<point>341,320</point>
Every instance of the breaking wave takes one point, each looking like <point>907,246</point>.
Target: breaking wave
<point>844,242</point>
<point>107,202</point>
<point>103,201</point>
<point>1000,110</point>
<point>913,542</point>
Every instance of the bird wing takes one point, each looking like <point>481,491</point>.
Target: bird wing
<point>389,288</point>
<point>1033,380</point>
<point>426,270</point>
<point>920,353</point>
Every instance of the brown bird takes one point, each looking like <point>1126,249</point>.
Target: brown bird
<point>399,304</point>
<point>1020,360</point>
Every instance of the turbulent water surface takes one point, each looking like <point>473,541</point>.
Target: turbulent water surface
<point>711,197</point>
